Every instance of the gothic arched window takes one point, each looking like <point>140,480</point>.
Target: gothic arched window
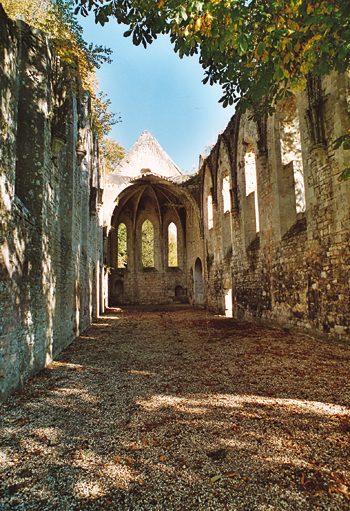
<point>172,245</point>
<point>122,246</point>
<point>147,244</point>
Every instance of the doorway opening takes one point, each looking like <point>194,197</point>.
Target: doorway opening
<point>198,282</point>
<point>228,299</point>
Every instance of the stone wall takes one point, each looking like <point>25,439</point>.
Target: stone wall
<point>51,230</point>
<point>263,227</point>
<point>153,199</point>
<point>266,222</point>
<point>284,245</point>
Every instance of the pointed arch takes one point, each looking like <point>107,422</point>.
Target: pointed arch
<point>172,246</point>
<point>207,170</point>
<point>226,192</point>
<point>207,198</point>
<point>251,185</point>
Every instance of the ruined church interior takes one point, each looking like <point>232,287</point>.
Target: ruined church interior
<point>260,232</point>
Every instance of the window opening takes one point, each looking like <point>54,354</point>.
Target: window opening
<point>226,197</point>
<point>172,245</point>
<point>210,212</point>
<point>291,150</point>
<point>251,181</point>
<point>122,246</point>
<point>147,244</point>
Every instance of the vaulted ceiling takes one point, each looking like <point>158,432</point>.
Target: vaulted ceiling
<point>148,192</point>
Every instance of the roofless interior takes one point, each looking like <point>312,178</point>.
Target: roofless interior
<point>148,241</point>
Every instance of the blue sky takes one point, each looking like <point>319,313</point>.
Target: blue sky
<point>154,90</point>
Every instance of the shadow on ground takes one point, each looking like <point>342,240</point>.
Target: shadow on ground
<point>159,407</point>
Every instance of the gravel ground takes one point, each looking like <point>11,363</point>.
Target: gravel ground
<point>177,409</point>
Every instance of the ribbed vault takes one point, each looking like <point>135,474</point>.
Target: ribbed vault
<point>161,194</point>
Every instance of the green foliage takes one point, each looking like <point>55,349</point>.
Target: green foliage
<point>112,153</point>
<point>78,58</point>
<point>344,174</point>
<point>147,244</point>
<point>103,119</point>
<point>122,246</point>
<point>343,141</point>
<point>259,51</point>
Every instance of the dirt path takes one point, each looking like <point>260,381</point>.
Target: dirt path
<point>176,409</point>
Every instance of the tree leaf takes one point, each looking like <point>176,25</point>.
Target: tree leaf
<point>260,49</point>
<point>344,175</point>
